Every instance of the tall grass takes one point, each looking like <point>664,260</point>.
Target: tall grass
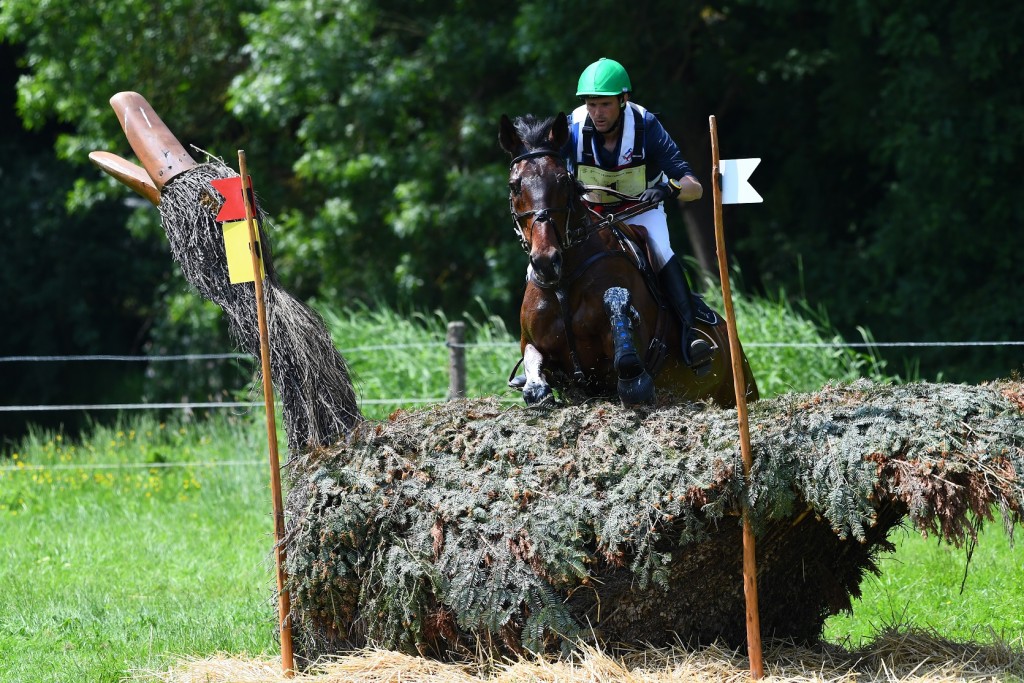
<point>138,543</point>
<point>771,329</point>
<point>393,356</point>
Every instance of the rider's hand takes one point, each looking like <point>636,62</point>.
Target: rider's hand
<point>656,194</point>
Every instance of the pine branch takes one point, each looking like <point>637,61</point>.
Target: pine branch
<point>520,529</point>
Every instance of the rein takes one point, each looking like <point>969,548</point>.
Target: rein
<point>573,235</point>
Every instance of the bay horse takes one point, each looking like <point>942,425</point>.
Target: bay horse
<point>591,316</point>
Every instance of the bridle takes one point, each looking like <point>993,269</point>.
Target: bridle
<point>573,234</point>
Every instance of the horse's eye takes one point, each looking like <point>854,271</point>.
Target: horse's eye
<point>515,186</point>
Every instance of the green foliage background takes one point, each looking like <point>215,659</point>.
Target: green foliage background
<point>891,140</point>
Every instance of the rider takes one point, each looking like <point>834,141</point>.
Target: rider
<point>616,143</point>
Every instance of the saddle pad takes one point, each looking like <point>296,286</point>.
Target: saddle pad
<point>702,311</point>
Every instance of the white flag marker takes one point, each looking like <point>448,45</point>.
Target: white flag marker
<point>735,186</point>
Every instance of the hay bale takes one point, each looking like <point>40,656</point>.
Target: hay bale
<point>309,374</point>
<point>476,525</point>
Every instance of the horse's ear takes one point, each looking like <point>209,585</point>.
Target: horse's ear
<point>559,133</point>
<point>507,136</point>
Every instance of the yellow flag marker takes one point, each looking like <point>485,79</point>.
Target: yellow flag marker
<point>236,246</point>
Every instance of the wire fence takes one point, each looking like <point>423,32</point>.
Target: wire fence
<point>453,346</point>
<point>510,345</point>
<point>25,467</point>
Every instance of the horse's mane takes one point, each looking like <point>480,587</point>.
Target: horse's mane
<point>534,131</point>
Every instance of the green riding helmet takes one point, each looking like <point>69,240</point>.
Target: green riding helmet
<point>603,78</point>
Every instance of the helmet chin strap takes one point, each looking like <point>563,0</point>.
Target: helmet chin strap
<point>618,121</point>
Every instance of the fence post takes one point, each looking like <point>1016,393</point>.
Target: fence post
<point>456,342</point>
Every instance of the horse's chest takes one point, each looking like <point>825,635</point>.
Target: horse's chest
<point>550,322</point>
<point>547,318</point>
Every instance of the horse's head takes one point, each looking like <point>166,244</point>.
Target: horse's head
<point>541,189</point>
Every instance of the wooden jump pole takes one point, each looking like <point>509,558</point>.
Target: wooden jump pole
<point>739,386</point>
<point>284,602</point>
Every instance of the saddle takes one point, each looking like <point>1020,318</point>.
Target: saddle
<point>633,239</point>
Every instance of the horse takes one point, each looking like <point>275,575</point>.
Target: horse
<point>591,317</point>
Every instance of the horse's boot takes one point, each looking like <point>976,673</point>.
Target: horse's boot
<point>696,350</point>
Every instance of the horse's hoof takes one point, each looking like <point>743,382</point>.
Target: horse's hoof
<point>638,390</point>
<point>535,394</point>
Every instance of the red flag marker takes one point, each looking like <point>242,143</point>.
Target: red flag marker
<point>234,203</point>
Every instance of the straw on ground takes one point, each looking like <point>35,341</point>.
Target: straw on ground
<point>896,655</point>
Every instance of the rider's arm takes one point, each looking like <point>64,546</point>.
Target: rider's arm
<point>689,188</point>
<point>568,150</point>
<point>663,155</point>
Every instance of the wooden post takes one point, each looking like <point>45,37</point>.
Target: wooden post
<point>284,602</point>
<point>739,386</point>
<point>456,342</point>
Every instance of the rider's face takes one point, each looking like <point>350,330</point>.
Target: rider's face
<point>604,112</point>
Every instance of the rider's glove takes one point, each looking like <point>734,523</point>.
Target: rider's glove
<point>656,194</point>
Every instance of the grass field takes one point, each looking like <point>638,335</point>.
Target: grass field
<point>104,570</point>
<point>920,585</point>
<point>146,541</point>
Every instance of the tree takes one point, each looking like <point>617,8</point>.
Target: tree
<point>895,142</point>
<point>395,121</point>
<point>84,272</point>
<point>373,126</point>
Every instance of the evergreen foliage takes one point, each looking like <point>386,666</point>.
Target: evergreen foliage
<point>470,524</point>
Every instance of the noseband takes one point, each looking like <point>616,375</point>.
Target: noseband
<point>573,236</point>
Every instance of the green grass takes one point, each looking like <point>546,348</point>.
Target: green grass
<point>107,571</point>
<point>761,323</point>
<point>920,586</point>
<point>419,368</point>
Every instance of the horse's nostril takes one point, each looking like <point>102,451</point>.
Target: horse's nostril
<point>547,266</point>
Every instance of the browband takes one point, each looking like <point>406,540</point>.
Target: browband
<point>533,155</point>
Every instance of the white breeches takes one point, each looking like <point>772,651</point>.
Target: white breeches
<point>657,232</point>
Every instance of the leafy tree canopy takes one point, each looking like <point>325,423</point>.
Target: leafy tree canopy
<point>891,140</point>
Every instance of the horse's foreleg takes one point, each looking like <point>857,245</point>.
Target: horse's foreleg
<point>635,384</point>
<point>536,390</point>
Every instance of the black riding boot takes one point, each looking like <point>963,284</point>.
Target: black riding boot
<point>696,350</point>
